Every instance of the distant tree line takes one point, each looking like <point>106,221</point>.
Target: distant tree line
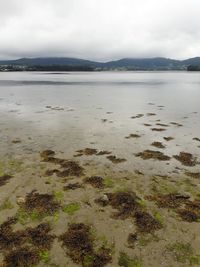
<point>47,68</point>
<point>193,68</point>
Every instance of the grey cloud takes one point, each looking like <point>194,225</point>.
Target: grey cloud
<point>100,29</point>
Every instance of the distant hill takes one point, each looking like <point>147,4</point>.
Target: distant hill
<point>64,63</point>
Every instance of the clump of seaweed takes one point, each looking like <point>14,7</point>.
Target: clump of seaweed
<point>186,159</point>
<point>72,186</point>
<point>103,152</point>
<point>129,205</point>
<point>146,223</point>
<point>171,200</point>
<point>158,129</point>
<point>133,136</point>
<point>43,204</point>
<point>51,172</point>
<point>137,116</point>
<point>79,243</point>
<point>132,238</point>
<point>125,202</point>
<point>188,215</point>
<point>191,211</point>
<point>69,167</point>
<point>168,138</point>
<point>147,124</point>
<point>188,210</point>
<point>158,144</point>
<point>176,124</point>
<point>47,153</point>
<point>91,151</point>
<point>4,179</point>
<point>195,175</point>
<point>151,154</point>
<point>95,181</point>
<point>87,151</point>
<point>40,236</point>
<point>196,139</point>
<point>22,257</point>
<point>151,114</point>
<point>162,124</point>
<point>115,160</point>
<point>16,141</point>
<point>8,238</point>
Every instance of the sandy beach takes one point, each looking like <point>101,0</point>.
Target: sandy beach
<point>100,169</point>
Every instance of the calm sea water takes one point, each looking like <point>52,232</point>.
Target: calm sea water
<point>70,111</point>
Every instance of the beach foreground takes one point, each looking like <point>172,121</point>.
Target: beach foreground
<point>89,178</point>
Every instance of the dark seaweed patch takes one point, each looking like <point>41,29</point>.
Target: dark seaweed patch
<point>188,210</point>
<point>72,186</point>
<point>22,257</point>
<point>158,144</point>
<point>95,181</point>
<point>151,154</point>
<point>146,223</point>
<point>151,114</point>
<point>137,116</point>
<point>103,152</point>
<point>132,238</point>
<point>195,175</point>
<point>158,129</point>
<point>186,159</point>
<point>87,151</point>
<point>69,167</point>
<point>4,179</point>
<point>78,241</point>
<point>191,211</point>
<point>47,153</point>
<point>176,124</point>
<point>91,151</point>
<point>162,124</point>
<point>188,215</point>
<point>40,236</point>
<point>168,138</point>
<point>169,200</point>
<point>115,160</point>
<point>43,204</point>
<point>8,238</point>
<point>196,139</point>
<point>125,202</point>
<point>133,136</point>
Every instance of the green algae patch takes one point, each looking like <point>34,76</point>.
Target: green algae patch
<point>183,253</point>
<point>71,208</point>
<point>125,261</point>
<point>10,166</point>
<point>6,205</point>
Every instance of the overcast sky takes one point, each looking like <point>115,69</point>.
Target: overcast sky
<point>99,29</point>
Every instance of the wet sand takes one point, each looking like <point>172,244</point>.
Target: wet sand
<point>104,167</point>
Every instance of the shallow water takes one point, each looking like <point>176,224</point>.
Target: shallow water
<point>95,109</point>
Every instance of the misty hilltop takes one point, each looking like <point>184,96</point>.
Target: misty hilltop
<point>65,63</point>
